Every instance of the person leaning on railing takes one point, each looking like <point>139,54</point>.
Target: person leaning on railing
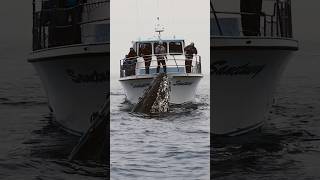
<point>146,53</point>
<point>160,52</point>
<point>130,63</point>
<point>189,51</point>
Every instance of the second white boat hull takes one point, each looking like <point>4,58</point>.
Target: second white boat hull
<point>76,84</point>
<point>243,81</point>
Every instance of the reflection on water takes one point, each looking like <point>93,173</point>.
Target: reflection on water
<point>43,154</point>
<point>171,146</point>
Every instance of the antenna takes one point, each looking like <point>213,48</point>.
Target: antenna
<point>159,28</point>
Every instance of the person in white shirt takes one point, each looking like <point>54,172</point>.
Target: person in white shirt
<point>160,52</point>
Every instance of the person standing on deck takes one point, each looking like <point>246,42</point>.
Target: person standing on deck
<point>189,51</point>
<point>146,53</point>
<point>160,52</point>
<point>131,60</point>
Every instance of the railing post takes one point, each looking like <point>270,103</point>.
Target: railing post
<point>34,40</point>
<point>174,58</point>
<point>271,26</point>
<point>216,19</point>
<point>120,69</point>
<point>278,17</point>
<point>200,69</point>
<point>265,25</point>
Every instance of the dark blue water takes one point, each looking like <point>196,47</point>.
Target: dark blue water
<point>32,146</point>
<point>175,146</point>
<point>288,146</point>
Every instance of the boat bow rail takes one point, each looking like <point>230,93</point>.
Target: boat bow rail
<point>175,64</point>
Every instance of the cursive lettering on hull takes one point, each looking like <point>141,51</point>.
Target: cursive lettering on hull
<point>224,68</point>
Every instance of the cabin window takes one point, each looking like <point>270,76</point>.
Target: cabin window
<point>147,50</point>
<point>156,44</point>
<point>175,47</point>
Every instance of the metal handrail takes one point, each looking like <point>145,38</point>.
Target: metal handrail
<point>196,60</point>
<point>155,55</point>
<point>262,14</point>
<point>175,61</point>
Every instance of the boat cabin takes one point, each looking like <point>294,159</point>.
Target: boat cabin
<point>175,58</point>
<point>173,47</point>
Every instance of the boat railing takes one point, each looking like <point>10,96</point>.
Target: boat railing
<point>56,26</point>
<point>175,64</point>
<point>276,24</point>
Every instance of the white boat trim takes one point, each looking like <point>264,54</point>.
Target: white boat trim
<point>230,42</point>
<point>154,75</point>
<point>69,50</point>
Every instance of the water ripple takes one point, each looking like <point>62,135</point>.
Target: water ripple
<point>170,146</point>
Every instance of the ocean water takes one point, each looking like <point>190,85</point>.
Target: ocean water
<point>288,146</point>
<point>176,146</point>
<point>32,146</point>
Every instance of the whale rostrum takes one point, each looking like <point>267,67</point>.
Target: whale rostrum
<point>156,97</point>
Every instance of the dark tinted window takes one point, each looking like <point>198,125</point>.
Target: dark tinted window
<point>148,48</point>
<point>175,47</point>
<point>156,44</point>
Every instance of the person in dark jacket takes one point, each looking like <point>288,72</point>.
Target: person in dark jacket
<point>189,50</point>
<point>131,60</point>
<point>146,53</point>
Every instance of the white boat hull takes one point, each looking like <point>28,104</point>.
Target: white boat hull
<point>76,85</point>
<point>183,87</point>
<point>243,81</point>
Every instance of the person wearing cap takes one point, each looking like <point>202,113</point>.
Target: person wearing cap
<point>131,60</point>
<point>189,50</point>
<point>160,52</point>
<point>146,53</point>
